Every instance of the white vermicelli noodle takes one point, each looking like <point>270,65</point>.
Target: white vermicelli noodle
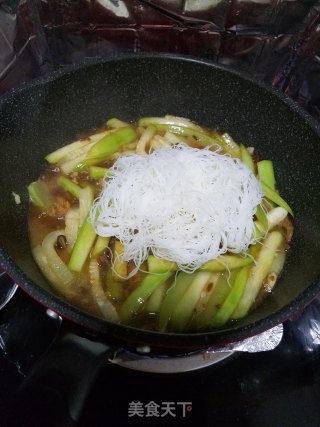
<point>182,204</point>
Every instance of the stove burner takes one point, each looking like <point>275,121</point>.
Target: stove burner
<point>169,365</point>
<point>7,289</point>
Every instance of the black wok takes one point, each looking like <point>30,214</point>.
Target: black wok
<point>42,115</point>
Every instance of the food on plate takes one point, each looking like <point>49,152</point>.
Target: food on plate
<point>160,224</point>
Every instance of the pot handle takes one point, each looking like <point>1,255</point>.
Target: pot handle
<point>54,391</point>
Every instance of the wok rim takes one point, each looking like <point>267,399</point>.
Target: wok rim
<point>194,340</point>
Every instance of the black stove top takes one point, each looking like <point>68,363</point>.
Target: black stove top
<point>275,388</point>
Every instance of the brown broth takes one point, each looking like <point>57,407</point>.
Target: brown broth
<point>41,223</point>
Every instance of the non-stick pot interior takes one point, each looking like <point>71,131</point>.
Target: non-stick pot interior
<point>45,114</point>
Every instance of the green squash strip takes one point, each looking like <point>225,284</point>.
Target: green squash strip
<point>39,194</point>
<point>246,158</point>
<point>258,273</point>
<point>107,146</point>
<point>137,298</point>
<point>145,139</point>
<point>65,276</point>
<point>172,297</point>
<point>226,262</point>
<point>230,142</point>
<point>82,246</point>
<point>69,185</point>
<point>233,298</point>
<point>116,123</point>
<point>169,120</point>
<point>114,287</point>
<point>159,265</point>
<point>98,293</point>
<point>86,197</point>
<point>120,267</point>
<point>266,173</point>
<point>72,225</point>
<point>185,307</point>
<point>60,153</point>
<point>97,172</point>
<point>206,294</point>
<point>262,217</point>
<point>100,246</point>
<point>260,231</point>
<point>154,302</point>
<point>47,270</point>
<point>112,142</point>
<point>205,319</point>
<point>273,196</point>
<point>201,137</point>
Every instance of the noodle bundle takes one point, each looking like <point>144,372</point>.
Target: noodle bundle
<point>183,204</point>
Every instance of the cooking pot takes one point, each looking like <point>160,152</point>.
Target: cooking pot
<point>42,115</point>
